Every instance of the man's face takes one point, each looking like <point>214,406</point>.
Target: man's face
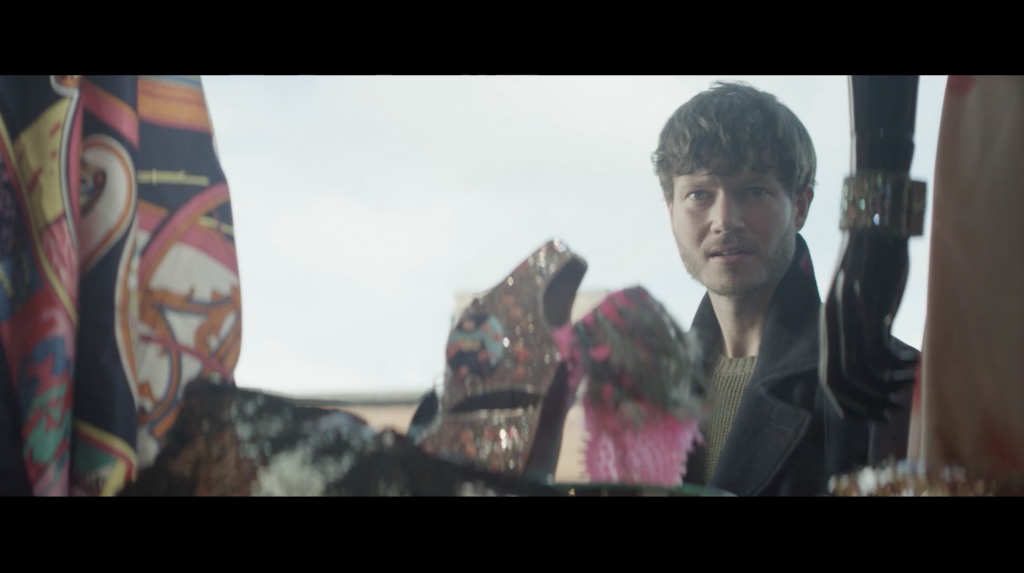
<point>736,234</point>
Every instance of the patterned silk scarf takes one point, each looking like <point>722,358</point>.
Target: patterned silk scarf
<point>118,275</point>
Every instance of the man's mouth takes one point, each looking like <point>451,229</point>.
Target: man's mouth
<point>730,252</point>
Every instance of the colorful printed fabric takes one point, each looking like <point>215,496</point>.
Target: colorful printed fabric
<point>118,275</point>
<point>970,394</point>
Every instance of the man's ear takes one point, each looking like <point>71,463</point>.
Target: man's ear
<point>803,206</point>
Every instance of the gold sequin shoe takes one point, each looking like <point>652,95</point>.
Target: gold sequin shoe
<point>505,388</point>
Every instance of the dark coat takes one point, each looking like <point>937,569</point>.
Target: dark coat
<point>786,440</point>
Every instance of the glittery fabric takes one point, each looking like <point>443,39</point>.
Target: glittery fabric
<point>917,479</point>
<point>232,442</point>
<point>503,344</point>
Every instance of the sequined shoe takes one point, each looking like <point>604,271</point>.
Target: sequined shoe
<point>505,389</point>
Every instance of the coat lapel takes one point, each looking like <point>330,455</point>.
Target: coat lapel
<point>766,429</point>
<point>765,433</point>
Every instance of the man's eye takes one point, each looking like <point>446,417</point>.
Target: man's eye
<point>757,192</point>
<point>698,195</point>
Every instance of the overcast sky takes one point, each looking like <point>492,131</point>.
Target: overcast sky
<point>362,205</point>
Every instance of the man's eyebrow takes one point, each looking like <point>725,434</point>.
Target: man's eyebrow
<point>695,181</point>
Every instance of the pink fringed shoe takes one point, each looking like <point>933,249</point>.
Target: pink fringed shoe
<point>640,373</point>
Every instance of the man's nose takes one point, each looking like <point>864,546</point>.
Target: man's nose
<point>726,215</point>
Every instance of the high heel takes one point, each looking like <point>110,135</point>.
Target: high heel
<point>426,413</point>
<point>505,386</point>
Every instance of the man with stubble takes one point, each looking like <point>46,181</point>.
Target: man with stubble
<point>737,170</point>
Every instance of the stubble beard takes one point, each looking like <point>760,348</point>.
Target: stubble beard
<point>734,285</point>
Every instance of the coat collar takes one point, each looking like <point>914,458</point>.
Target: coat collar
<point>766,429</point>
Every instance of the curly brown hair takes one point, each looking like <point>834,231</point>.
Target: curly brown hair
<point>732,127</point>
